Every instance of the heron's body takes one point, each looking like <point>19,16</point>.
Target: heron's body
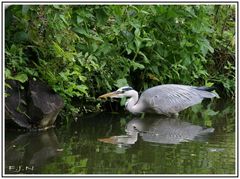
<point>169,99</point>
<point>163,99</point>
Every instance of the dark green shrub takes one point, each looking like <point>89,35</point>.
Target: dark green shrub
<point>84,51</point>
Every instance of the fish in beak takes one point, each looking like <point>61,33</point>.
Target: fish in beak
<point>111,95</point>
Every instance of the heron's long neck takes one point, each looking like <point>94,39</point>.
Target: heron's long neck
<point>132,104</point>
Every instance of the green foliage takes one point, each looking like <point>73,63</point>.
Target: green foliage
<point>221,67</point>
<point>84,51</point>
<point>121,82</point>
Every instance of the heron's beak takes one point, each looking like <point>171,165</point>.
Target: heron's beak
<point>111,94</point>
<point>111,140</point>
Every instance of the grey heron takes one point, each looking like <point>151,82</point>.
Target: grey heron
<point>168,99</point>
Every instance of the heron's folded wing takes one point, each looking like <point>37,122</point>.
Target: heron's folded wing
<point>172,99</point>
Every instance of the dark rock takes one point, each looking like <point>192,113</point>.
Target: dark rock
<point>34,107</point>
<point>15,105</point>
<point>44,104</point>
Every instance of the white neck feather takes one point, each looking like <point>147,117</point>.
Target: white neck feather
<point>132,104</point>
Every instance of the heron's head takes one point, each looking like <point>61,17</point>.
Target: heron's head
<point>125,91</point>
<point>134,126</point>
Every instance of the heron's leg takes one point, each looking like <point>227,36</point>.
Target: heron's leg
<point>169,114</point>
<point>175,115</point>
<point>142,115</point>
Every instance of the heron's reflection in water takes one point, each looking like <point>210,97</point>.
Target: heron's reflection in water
<point>162,130</point>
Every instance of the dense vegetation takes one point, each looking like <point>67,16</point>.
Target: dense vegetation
<point>84,51</point>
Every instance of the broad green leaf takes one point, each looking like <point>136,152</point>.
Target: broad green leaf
<point>7,73</point>
<point>64,76</point>
<point>63,19</point>
<point>123,101</point>
<point>79,19</point>
<point>21,36</point>
<point>211,112</point>
<point>144,57</point>
<point>58,50</point>
<point>83,162</point>
<point>155,69</point>
<point>136,65</point>
<point>21,77</point>
<point>82,88</point>
<point>137,32</point>
<point>8,86</point>
<point>121,82</point>
<point>82,78</point>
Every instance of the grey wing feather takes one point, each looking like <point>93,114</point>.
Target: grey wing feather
<point>167,99</point>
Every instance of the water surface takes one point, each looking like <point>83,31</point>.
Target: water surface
<point>200,141</point>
